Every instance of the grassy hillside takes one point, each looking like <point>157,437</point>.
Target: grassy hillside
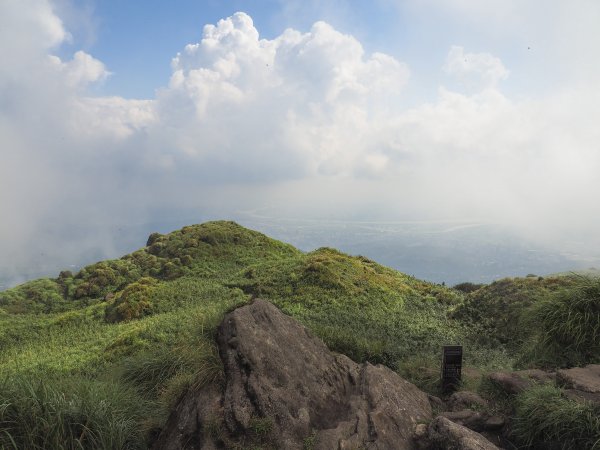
<point>98,358</point>
<point>495,312</point>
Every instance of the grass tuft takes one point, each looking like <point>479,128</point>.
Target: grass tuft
<point>68,414</point>
<point>544,418</point>
<point>567,325</point>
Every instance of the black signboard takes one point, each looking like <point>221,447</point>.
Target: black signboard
<point>451,367</point>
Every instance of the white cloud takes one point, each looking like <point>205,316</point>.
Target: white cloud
<point>307,121</point>
<point>274,109</point>
<point>488,68</point>
<point>82,70</point>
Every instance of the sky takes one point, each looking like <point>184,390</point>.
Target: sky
<point>116,114</point>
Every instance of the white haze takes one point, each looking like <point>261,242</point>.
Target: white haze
<point>307,124</point>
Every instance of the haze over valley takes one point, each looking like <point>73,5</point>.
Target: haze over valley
<point>449,140</point>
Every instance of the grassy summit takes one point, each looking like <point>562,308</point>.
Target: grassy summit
<point>98,358</point>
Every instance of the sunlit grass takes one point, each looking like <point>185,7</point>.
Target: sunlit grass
<point>144,326</point>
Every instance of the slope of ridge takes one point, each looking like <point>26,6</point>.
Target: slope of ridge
<point>210,250</point>
<point>99,357</point>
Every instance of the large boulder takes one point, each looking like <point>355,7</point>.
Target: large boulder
<point>286,389</point>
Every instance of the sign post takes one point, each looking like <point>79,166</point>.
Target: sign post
<point>451,367</point>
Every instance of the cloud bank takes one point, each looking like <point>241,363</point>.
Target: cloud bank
<point>305,124</point>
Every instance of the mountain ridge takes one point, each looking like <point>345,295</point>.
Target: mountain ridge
<point>132,334</point>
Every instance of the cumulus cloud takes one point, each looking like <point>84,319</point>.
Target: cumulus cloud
<point>307,123</point>
<point>487,68</point>
<point>275,109</point>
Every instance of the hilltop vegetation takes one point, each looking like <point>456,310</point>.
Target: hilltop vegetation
<point>97,358</point>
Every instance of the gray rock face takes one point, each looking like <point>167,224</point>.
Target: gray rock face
<point>285,386</point>
<point>276,369</point>
<point>193,424</point>
<point>445,434</point>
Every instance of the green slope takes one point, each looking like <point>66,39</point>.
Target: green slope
<point>98,358</point>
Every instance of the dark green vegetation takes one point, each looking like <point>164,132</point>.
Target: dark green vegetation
<point>97,359</point>
<point>544,415</point>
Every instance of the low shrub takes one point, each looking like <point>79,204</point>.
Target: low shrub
<point>132,302</point>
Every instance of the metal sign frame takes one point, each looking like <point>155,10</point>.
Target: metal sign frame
<point>451,367</point>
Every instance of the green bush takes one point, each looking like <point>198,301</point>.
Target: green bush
<point>37,296</point>
<point>133,302</point>
<point>467,287</point>
<point>494,313</point>
<point>545,419</point>
<point>567,325</point>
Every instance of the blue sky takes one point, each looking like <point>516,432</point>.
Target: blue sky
<point>137,40</point>
<point>119,113</point>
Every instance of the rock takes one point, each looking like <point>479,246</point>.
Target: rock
<point>582,396</point>
<point>581,384</point>
<point>435,402</point>
<point>421,437</point>
<point>185,430</point>
<point>494,423</point>
<point>537,375</point>
<point>510,382</point>
<point>586,379</point>
<point>473,420</point>
<point>284,387</point>
<point>445,434</point>
<point>465,400</point>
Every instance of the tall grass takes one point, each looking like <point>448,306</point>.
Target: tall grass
<point>567,325</point>
<point>545,419</point>
<point>68,414</point>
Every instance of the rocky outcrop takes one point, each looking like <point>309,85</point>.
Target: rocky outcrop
<point>285,389</point>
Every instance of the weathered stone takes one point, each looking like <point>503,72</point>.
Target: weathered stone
<point>510,382</point>
<point>421,437</point>
<point>537,375</point>
<point>465,400</point>
<point>445,434</point>
<point>586,379</point>
<point>282,380</point>
<point>435,402</point>
<point>494,423</point>
<point>467,417</point>
<point>582,396</point>
<point>195,422</point>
